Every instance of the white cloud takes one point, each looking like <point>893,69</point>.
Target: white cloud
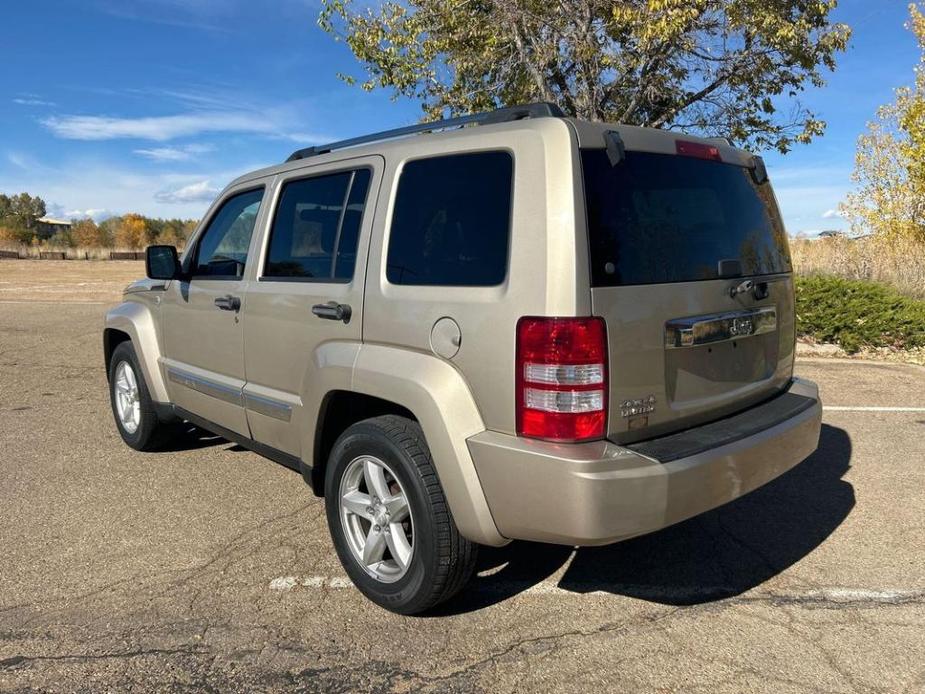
<point>162,154</point>
<point>201,191</point>
<point>95,213</point>
<point>89,184</point>
<point>20,161</point>
<point>308,138</point>
<point>191,14</point>
<point>269,122</point>
<point>62,212</point>
<point>159,128</point>
<point>831,214</point>
<point>32,101</point>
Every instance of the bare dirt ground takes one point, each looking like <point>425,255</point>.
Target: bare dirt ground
<point>66,280</point>
<point>210,568</point>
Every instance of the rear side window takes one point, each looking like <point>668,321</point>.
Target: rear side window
<point>657,218</point>
<point>451,222</point>
<point>317,227</point>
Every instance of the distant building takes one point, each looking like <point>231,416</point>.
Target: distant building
<point>829,233</point>
<point>46,227</point>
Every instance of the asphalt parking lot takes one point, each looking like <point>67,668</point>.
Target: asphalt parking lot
<point>208,567</point>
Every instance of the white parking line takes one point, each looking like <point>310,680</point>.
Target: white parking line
<point>849,408</point>
<point>284,583</point>
<point>861,595</point>
<point>685,595</point>
<point>58,303</point>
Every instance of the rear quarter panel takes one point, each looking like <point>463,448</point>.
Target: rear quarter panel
<point>547,266</point>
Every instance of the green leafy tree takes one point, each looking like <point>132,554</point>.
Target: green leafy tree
<point>170,235</point>
<point>108,228</point>
<point>720,67</point>
<point>180,230</point>
<point>21,211</point>
<point>154,228</point>
<point>890,161</point>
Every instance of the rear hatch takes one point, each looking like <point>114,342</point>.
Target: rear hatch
<point>691,270</point>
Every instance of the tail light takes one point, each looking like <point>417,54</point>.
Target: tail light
<point>561,386</point>
<point>698,150</point>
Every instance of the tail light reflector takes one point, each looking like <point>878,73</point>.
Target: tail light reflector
<point>561,387</point>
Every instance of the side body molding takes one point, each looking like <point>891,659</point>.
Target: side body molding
<point>438,396</point>
<point>136,320</point>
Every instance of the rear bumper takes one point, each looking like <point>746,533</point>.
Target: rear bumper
<point>600,492</point>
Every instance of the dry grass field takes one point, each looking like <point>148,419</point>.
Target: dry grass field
<point>62,281</point>
<point>897,263</point>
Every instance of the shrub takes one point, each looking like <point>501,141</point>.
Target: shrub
<point>856,314</point>
<point>61,239</point>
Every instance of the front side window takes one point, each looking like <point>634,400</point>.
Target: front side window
<point>451,222</point>
<point>222,249</point>
<point>317,227</point>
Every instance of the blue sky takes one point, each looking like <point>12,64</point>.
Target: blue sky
<point>153,106</point>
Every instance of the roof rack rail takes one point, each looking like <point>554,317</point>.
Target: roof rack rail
<point>501,115</point>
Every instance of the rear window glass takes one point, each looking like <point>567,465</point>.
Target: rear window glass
<point>657,218</point>
<point>451,223</point>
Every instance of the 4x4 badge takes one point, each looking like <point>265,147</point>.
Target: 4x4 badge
<point>630,408</point>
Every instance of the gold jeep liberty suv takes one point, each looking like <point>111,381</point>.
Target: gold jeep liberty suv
<point>510,325</point>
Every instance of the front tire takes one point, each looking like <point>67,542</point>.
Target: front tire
<point>132,406</point>
<point>389,519</point>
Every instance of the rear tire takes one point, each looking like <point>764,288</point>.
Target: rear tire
<point>394,533</point>
<point>132,406</point>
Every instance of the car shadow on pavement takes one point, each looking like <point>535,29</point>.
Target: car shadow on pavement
<point>191,438</point>
<point>717,555</point>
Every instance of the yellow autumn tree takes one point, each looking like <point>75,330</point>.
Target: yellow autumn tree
<point>890,162</point>
<point>132,232</point>
<point>86,234</point>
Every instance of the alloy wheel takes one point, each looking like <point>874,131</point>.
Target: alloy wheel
<point>376,518</point>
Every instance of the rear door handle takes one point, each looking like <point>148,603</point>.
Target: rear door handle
<point>332,311</point>
<point>228,303</point>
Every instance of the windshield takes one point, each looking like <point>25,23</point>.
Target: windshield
<point>656,218</point>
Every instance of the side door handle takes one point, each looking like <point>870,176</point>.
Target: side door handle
<point>228,303</point>
<point>333,311</point>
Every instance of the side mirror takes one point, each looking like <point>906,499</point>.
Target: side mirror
<point>162,263</point>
